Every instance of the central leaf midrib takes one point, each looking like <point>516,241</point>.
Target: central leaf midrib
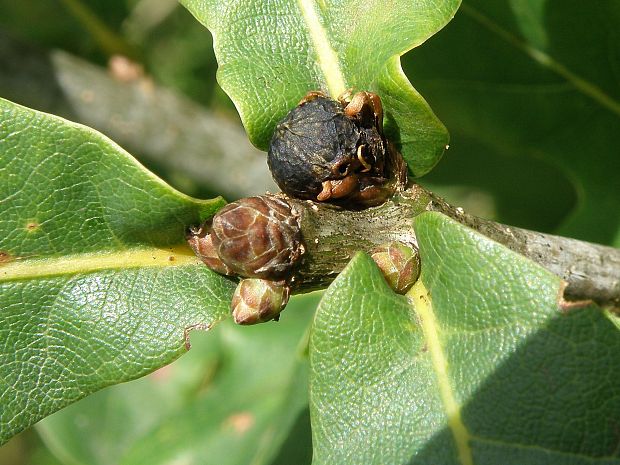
<point>327,57</point>
<point>39,268</point>
<point>422,305</point>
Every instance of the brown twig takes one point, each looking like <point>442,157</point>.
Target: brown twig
<point>331,236</point>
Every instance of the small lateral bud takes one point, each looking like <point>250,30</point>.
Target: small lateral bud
<point>399,263</point>
<point>258,300</point>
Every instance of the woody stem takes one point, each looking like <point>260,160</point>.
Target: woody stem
<point>332,236</point>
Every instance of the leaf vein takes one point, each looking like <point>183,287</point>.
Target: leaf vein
<point>542,58</point>
<point>421,303</point>
<point>326,56</point>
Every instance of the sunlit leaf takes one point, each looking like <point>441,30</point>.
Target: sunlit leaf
<point>271,54</point>
<point>96,284</point>
<point>477,365</point>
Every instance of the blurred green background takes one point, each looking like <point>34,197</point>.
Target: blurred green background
<point>528,89</point>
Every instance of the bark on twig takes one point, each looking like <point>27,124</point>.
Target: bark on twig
<point>591,271</point>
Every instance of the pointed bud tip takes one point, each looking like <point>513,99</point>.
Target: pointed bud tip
<point>258,300</point>
<point>399,263</point>
<point>201,243</point>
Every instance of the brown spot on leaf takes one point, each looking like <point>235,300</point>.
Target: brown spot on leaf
<point>188,329</point>
<point>5,257</point>
<point>32,226</point>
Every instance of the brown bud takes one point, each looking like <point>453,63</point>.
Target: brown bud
<point>258,300</point>
<point>399,263</point>
<point>258,237</point>
<point>202,245</point>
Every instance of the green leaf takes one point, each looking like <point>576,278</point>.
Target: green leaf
<point>233,399</point>
<point>477,365</point>
<point>97,285</point>
<point>271,54</point>
<point>99,428</point>
<point>253,401</point>
<point>529,90</point>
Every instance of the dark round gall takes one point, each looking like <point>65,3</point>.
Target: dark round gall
<point>330,150</point>
<point>257,237</point>
<point>309,144</point>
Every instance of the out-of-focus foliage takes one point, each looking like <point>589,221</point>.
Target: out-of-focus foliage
<point>529,91</point>
<point>160,34</point>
